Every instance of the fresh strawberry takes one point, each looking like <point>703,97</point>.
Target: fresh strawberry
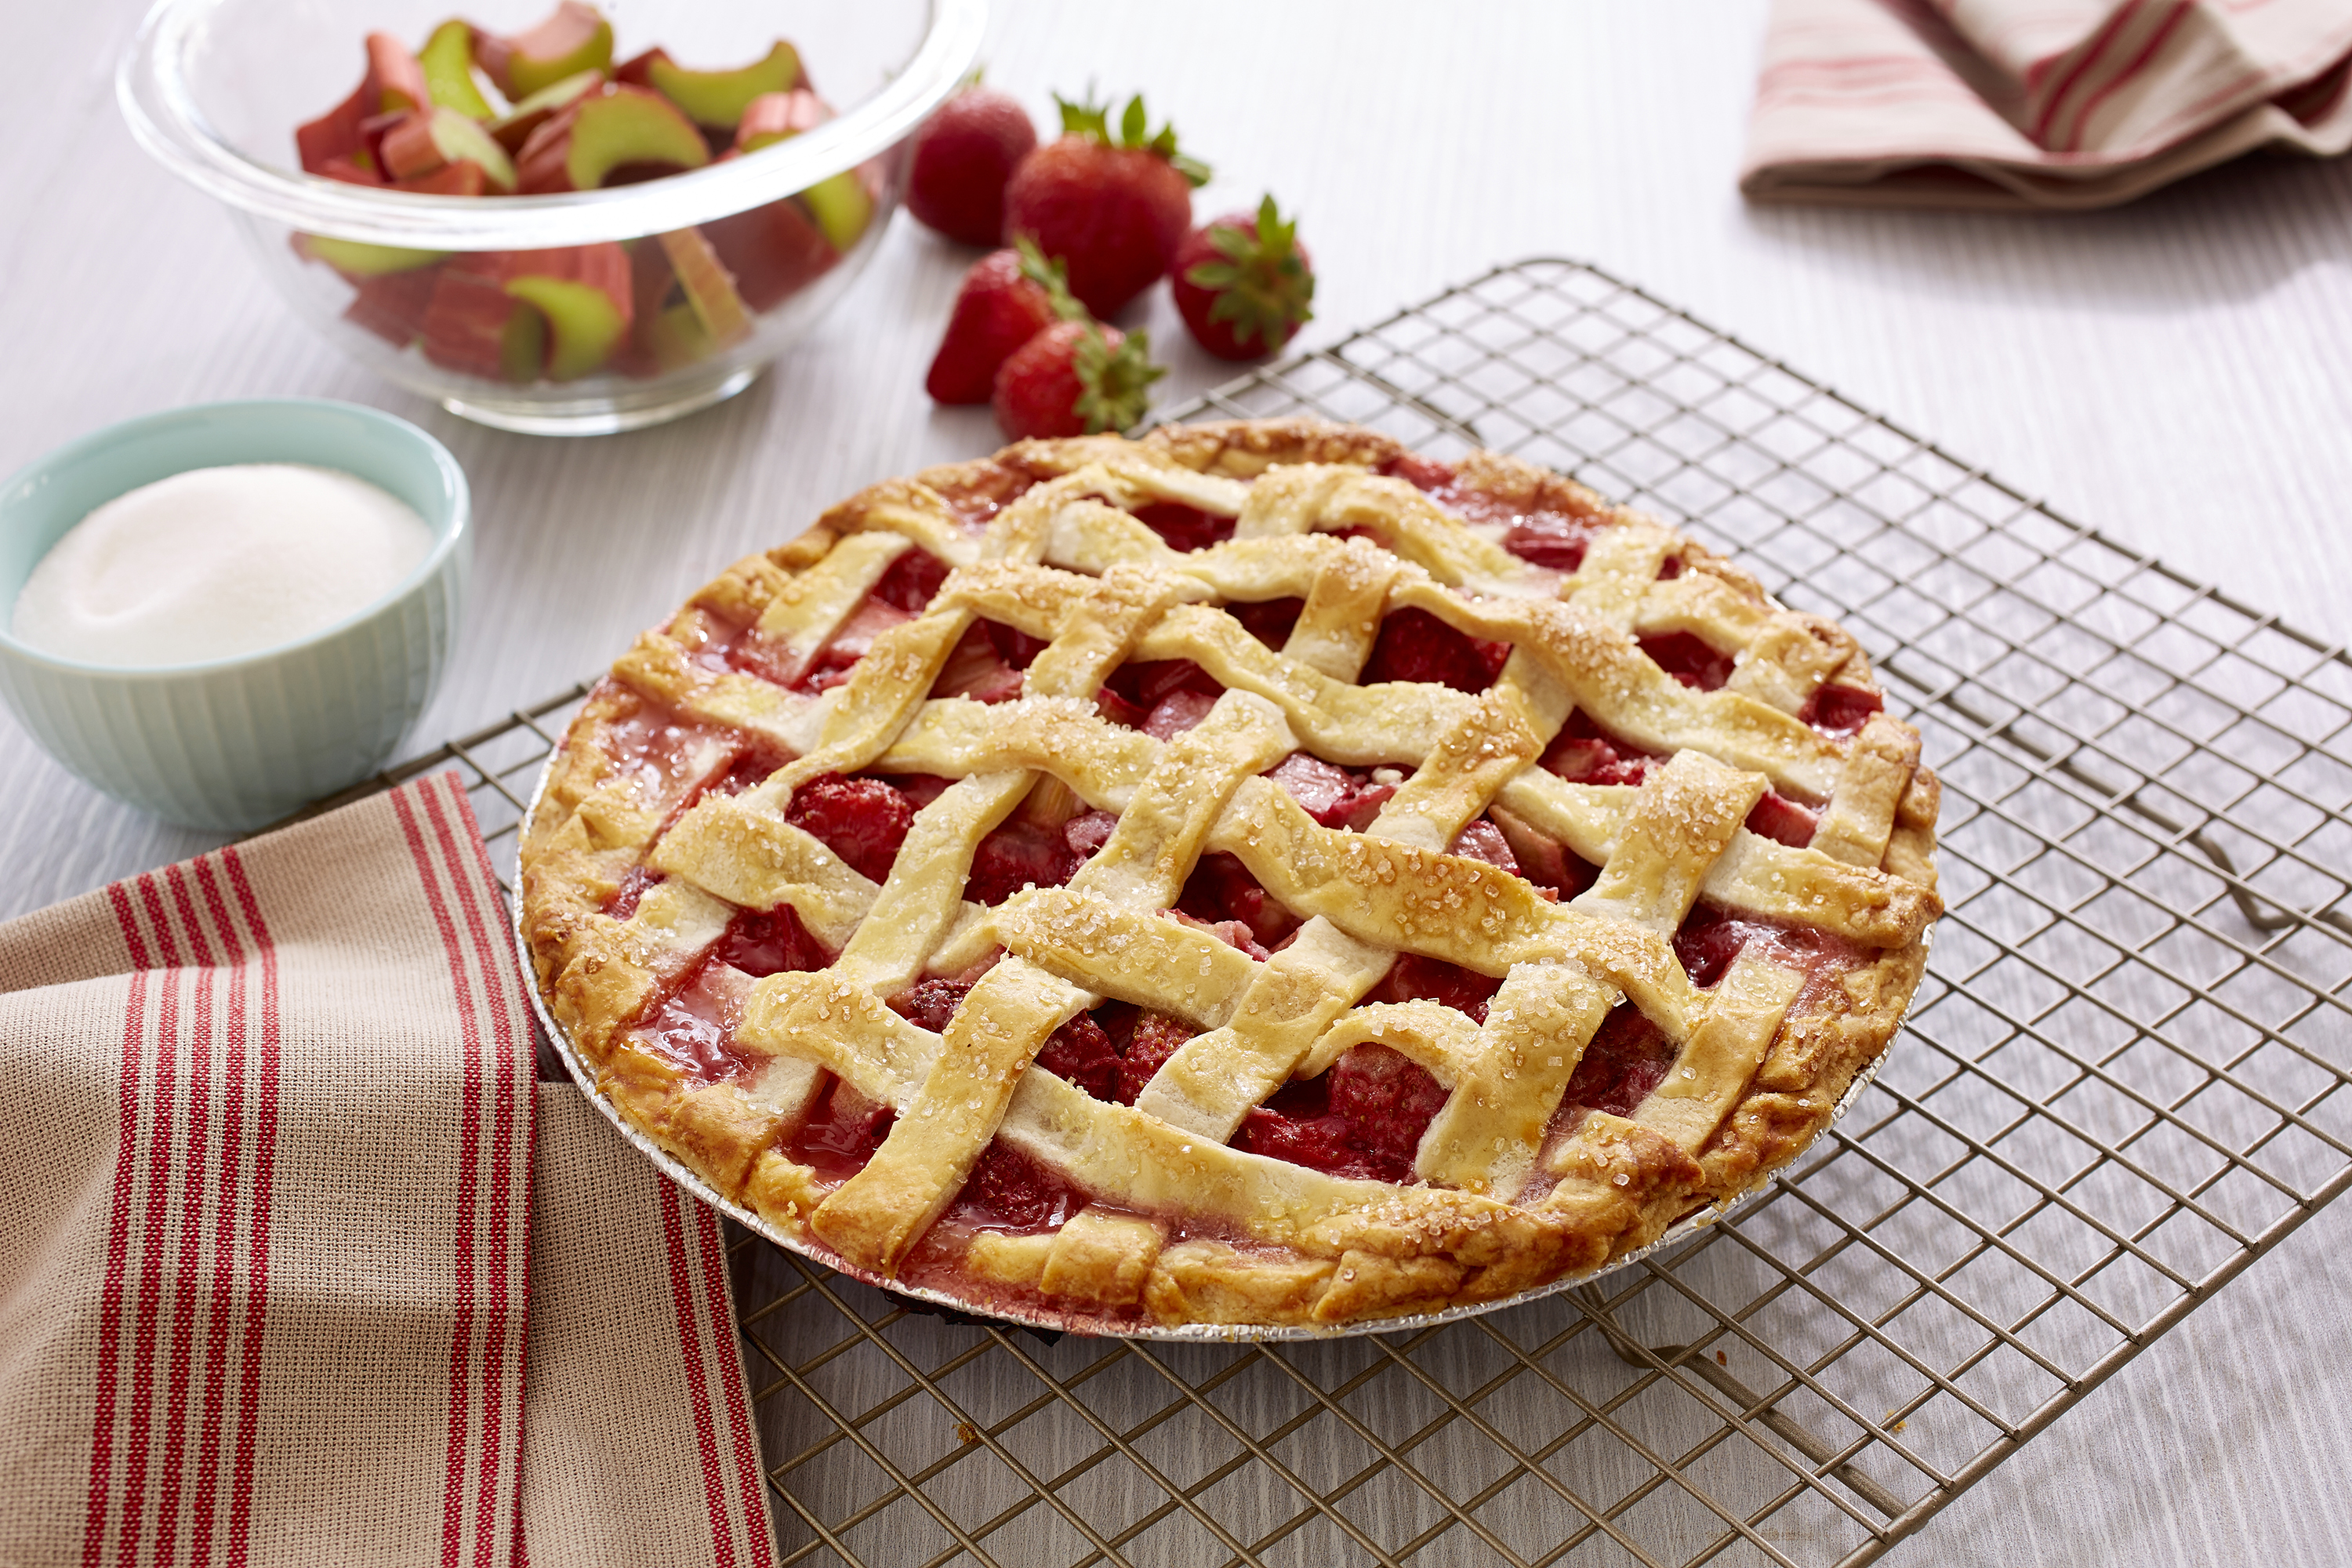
<point>1115,210</point>
<point>1073,379</point>
<point>963,155</point>
<point>1007,298</point>
<point>1244,285</point>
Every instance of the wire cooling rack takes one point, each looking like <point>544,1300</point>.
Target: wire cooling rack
<point>2121,1083</point>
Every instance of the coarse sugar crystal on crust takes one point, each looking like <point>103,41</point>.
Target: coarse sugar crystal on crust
<point>1250,875</point>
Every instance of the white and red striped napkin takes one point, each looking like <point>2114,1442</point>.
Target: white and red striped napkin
<point>299,1265</point>
<point>2037,103</point>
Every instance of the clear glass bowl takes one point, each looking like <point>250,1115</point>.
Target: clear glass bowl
<point>213,89</point>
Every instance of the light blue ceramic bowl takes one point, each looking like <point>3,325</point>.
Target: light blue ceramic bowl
<point>238,743</point>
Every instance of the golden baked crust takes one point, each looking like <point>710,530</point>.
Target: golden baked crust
<point>753,1001</point>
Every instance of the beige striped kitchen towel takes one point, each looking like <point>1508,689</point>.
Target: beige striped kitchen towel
<point>2037,103</point>
<point>269,1268</point>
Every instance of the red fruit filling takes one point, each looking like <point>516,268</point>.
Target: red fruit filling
<point>1014,646</point>
<point>911,581</point>
<point>1670,568</point>
<point>1156,1038</point>
<point>1549,865</point>
<point>862,820</point>
<point>1548,539</point>
<point>1363,1119</point>
<point>1183,527</point>
<point>1161,697</point>
<point>1413,978</point>
<point>977,670</point>
<point>1421,473</point>
<point>920,789</point>
<point>841,1133</point>
<point>1079,1053</point>
<point>1233,933</point>
<point>851,643</point>
<point>1482,840</point>
<point>1711,937</point>
<point>1840,709</point>
<point>633,887</point>
<point>762,944</point>
<point>1689,659</point>
<point>929,1003</point>
<point>1089,832</point>
<point>1333,795</point>
<point>749,771</point>
<point>1782,820</point>
<point>1021,854</point>
<point>695,1026</point>
<point>1416,646</point>
<point>987,489</point>
<point>1628,1058</point>
<point>1008,1191</point>
<point>1580,753</point>
<point>1269,622</point>
<point>1221,888</point>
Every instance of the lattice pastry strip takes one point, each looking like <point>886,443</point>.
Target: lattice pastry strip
<point>1475,879</point>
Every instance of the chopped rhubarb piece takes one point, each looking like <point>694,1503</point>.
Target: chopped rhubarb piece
<point>632,887</point>
<point>1233,933</point>
<point>1840,709</point>
<point>1009,1191</point>
<point>1689,659</point>
<point>1156,1038</point>
<point>1626,1059</point>
<point>1482,840</point>
<point>1778,818</point>
<point>841,1133</point>
<point>1333,795</point>
<point>862,820</point>
<point>1183,527</point>
<point>392,305</point>
<point>1270,622</point>
<point>1364,1118</point>
<point>1146,681</point>
<point>1175,713</point>
<point>1113,709</point>
<point>1088,831</point>
<point>771,943</point>
<point>1581,754</point>
<point>448,180</point>
<point>920,789</point>
<point>774,251</point>
<point>975,669</point>
<point>1416,646</point>
<point>929,1003</point>
<point>1021,854</point>
<point>1221,888</point>
<point>911,581</point>
<point>1080,1054</point>
<point>1413,978</point>
<point>1549,865</point>
<point>1548,539</point>
<point>1014,646</point>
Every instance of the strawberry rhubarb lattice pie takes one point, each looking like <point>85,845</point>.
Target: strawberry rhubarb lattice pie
<point>1248,876</point>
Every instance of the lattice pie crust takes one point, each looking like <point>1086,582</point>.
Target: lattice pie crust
<point>1440,882</point>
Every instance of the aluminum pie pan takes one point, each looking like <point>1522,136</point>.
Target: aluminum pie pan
<point>1019,1316</point>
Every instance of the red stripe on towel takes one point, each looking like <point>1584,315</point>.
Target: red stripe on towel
<point>265,1171</point>
<point>750,1481</point>
<point>698,1387</point>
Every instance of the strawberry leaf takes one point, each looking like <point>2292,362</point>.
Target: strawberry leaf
<point>1262,286</point>
<point>1113,383</point>
<point>1086,118</point>
<point>1051,275</point>
<point>1131,125</point>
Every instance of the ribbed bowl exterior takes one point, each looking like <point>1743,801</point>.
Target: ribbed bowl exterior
<point>239,744</point>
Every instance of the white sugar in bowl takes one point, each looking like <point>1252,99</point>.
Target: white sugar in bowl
<point>238,741</point>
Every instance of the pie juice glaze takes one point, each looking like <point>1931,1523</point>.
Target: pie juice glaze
<point>999,889</point>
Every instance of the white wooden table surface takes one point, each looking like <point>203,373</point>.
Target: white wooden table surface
<point>2175,373</point>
